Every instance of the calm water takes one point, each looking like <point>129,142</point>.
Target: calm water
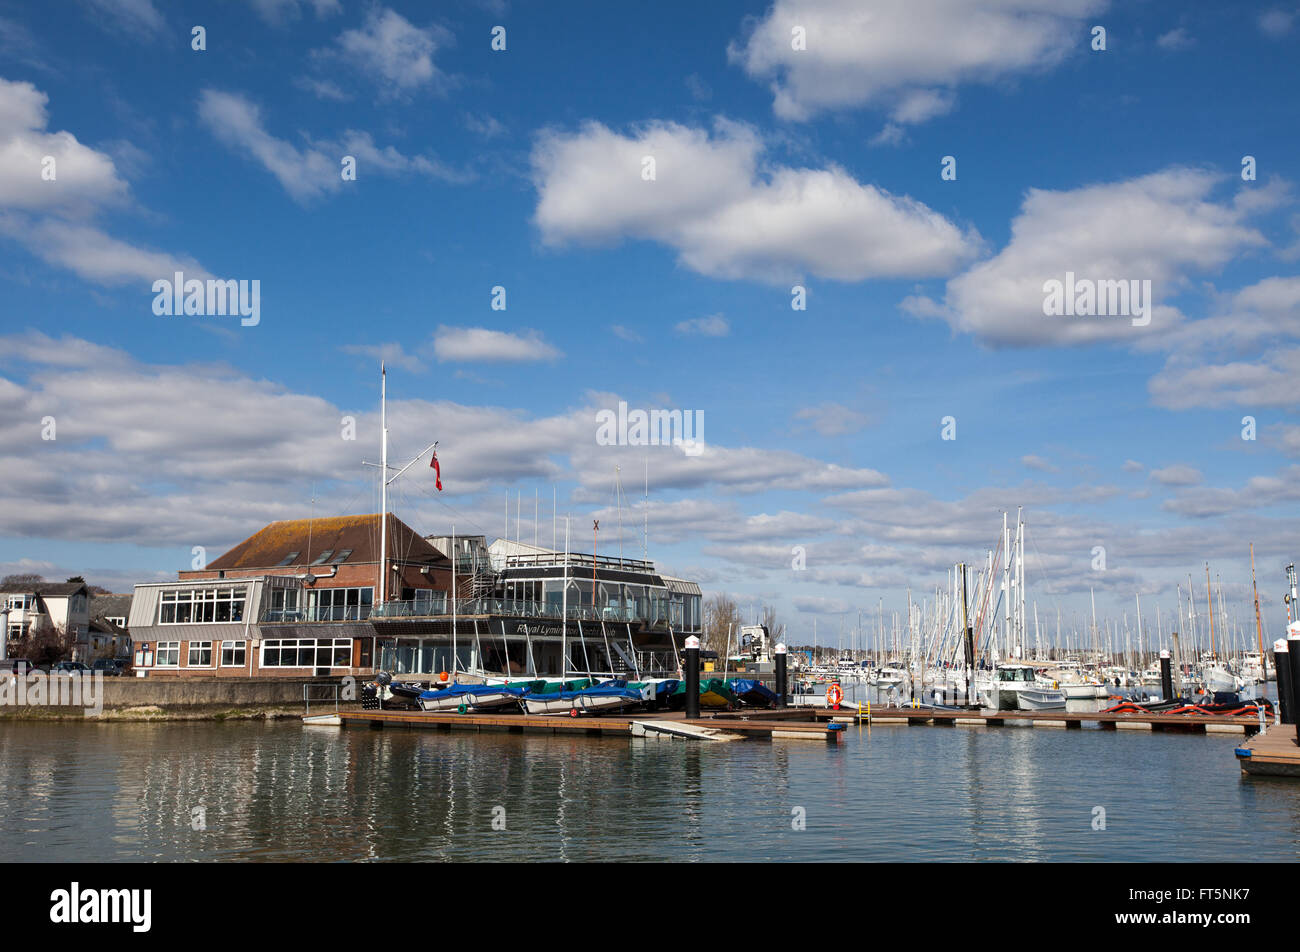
<point>99,792</point>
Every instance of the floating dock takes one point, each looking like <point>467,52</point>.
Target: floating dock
<point>781,725</point>
<point>918,716</point>
<point>1273,753</point>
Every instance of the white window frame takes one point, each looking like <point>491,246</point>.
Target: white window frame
<point>241,646</point>
<point>198,645</point>
<point>167,646</point>
<point>317,645</point>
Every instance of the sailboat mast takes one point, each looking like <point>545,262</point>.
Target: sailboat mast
<point>383,484</point>
<point>1259,624</point>
<point>1209,597</point>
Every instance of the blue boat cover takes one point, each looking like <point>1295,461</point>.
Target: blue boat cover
<point>464,690</point>
<point>752,692</point>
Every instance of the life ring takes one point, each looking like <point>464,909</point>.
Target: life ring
<point>834,694</point>
<point>573,712</point>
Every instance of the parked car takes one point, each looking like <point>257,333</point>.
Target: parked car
<point>17,666</point>
<point>112,667</point>
<point>71,667</point>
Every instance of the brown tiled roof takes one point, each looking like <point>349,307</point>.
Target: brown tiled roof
<point>310,538</point>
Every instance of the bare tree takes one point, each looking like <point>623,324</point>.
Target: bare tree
<point>20,580</point>
<point>775,629</point>
<point>721,615</point>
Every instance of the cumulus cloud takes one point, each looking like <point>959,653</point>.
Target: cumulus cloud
<point>901,56</point>
<point>483,345</point>
<point>1180,474</point>
<point>1160,227</point>
<point>53,218</point>
<point>395,53</point>
<point>729,215</point>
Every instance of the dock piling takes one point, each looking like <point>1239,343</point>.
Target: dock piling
<point>1293,650</point>
<point>1166,676</point>
<point>1282,665</point>
<point>782,694</point>
<point>692,661</point>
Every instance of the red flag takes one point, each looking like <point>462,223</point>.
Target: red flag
<point>437,470</point>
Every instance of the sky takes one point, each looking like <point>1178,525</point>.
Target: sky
<point>556,208</point>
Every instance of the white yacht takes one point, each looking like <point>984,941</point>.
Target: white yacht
<point>1016,687</point>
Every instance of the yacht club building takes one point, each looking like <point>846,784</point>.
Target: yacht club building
<point>292,600</point>
<point>623,615</point>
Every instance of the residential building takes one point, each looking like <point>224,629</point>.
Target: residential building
<point>61,606</point>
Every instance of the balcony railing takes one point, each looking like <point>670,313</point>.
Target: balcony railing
<point>578,559</point>
<point>519,607</point>
<point>285,616</point>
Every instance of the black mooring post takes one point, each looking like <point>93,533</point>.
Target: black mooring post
<point>782,690</point>
<point>1293,649</point>
<point>1166,676</point>
<point>1282,665</point>
<point>692,662</point>
<point>971,700</point>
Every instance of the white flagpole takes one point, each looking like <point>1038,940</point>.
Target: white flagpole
<point>383,483</point>
<point>564,609</point>
<point>453,603</point>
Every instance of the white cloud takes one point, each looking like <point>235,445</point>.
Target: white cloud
<point>1276,23</point>
<point>392,354</point>
<point>130,16</point>
<point>1176,39</point>
<point>279,12</point>
<point>1180,474</point>
<point>394,52</point>
<point>833,419</point>
<point>1036,462</point>
<point>84,178</point>
<point>1160,227</point>
<point>53,219</point>
<point>626,333</point>
<point>715,325</point>
<point>94,255</point>
<point>314,170</point>
<point>1133,466</point>
<point>482,345</point>
<point>710,203</point>
<point>903,56</point>
<point>325,89</point>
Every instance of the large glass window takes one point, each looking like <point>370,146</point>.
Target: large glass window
<point>233,654</point>
<point>169,654</point>
<point>282,604</point>
<point>200,654</point>
<point>201,606</point>
<point>340,604</point>
<point>307,653</point>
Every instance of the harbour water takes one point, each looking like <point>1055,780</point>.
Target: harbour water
<point>279,791</point>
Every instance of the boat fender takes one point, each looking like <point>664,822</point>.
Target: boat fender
<point>573,712</point>
<point>462,709</point>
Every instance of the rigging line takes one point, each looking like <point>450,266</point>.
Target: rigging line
<point>1042,572</point>
<point>460,514</point>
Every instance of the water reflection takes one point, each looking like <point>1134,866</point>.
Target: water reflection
<point>281,792</point>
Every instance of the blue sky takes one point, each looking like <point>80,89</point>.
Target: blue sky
<point>776,167</point>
